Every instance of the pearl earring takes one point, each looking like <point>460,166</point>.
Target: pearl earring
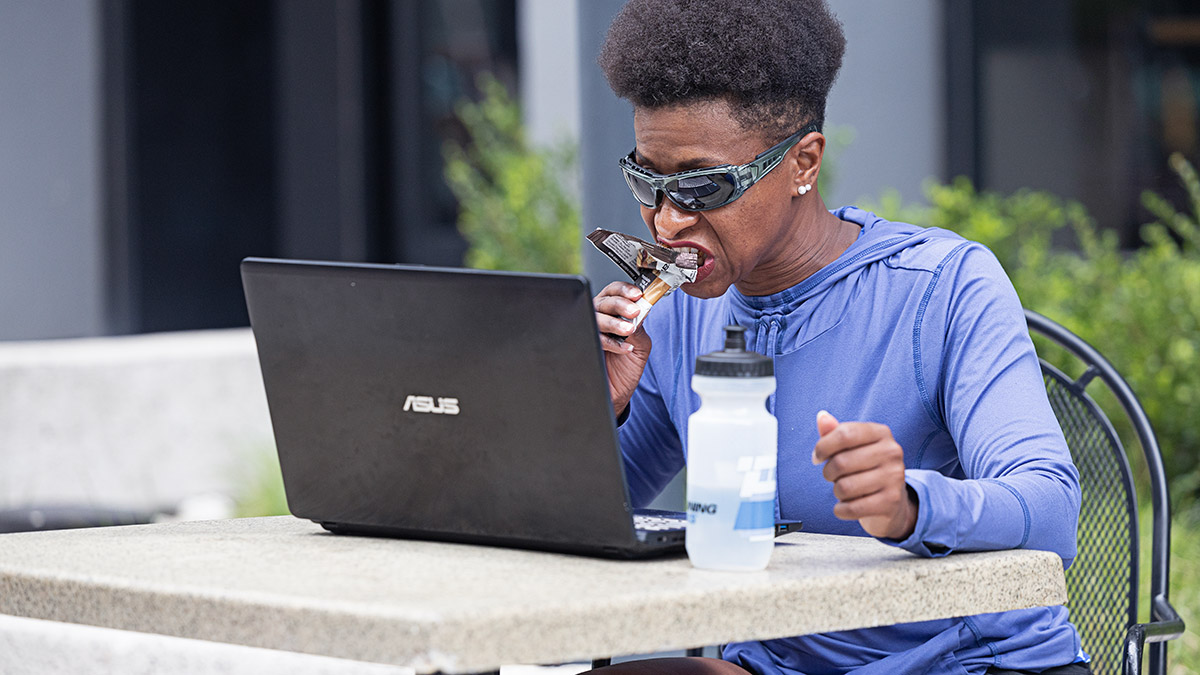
<point>803,189</point>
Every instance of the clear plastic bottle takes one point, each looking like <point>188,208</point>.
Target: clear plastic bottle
<point>732,454</point>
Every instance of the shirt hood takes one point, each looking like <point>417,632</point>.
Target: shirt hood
<point>878,240</point>
<point>785,321</point>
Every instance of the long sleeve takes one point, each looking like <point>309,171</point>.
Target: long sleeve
<point>1020,488</point>
<point>650,445</point>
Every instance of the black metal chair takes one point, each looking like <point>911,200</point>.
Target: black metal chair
<point>1103,581</point>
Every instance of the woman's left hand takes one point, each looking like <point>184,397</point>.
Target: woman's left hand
<point>866,466</point>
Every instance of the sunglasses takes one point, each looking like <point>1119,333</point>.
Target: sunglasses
<point>708,188</point>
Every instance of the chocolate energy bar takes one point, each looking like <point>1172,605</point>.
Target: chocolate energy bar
<point>657,270</point>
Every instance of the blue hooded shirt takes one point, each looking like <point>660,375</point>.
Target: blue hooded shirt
<point>921,330</point>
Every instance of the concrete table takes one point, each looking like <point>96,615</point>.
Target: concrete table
<point>284,583</point>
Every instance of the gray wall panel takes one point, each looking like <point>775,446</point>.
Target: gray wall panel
<point>549,61</point>
<point>606,126</point>
<point>890,93</point>
<point>50,219</point>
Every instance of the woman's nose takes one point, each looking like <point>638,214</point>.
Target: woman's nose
<point>670,220</point>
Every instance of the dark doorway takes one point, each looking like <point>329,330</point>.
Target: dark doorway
<point>1085,99</point>
<point>286,128</point>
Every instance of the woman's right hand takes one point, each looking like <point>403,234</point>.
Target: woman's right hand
<point>615,311</point>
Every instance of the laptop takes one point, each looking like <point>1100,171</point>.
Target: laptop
<point>445,404</point>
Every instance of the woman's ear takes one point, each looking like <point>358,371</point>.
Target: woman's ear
<point>807,159</point>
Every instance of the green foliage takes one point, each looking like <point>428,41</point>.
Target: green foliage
<point>1141,309</point>
<point>838,137</point>
<point>515,209</point>
<point>260,491</point>
<point>1183,653</point>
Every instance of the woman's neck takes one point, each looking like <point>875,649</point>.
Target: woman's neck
<point>819,237</point>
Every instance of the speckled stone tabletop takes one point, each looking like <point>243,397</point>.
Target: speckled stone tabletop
<point>285,583</point>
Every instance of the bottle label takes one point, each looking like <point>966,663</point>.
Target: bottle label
<point>748,507</point>
<point>755,515</point>
<point>757,496</point>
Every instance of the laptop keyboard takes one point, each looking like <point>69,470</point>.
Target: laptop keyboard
<point>659,521</point>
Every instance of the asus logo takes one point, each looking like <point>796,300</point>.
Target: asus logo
<point>425,404</point>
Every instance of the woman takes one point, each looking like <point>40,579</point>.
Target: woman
<point>914,336</point>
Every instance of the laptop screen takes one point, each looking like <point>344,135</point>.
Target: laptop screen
<point>445,403</point>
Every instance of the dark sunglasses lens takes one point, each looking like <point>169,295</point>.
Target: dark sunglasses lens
<point>699,193</point>
<point>642,191</point>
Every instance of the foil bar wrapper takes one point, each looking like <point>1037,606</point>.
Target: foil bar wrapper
<point>657,270</point>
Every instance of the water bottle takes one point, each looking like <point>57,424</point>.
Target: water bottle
<point>731,459</point>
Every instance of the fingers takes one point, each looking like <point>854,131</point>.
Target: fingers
<point>890,513</point>
<point>619,289</point>
<point>617,324</point>
<point>615,311</point>
<point>857,459</point>
<point>878,498</point>
<point>865,482</point>
<point>610,344</point>
<point>884,504</point>
<point>847,435</point>
<point>866,466</point>
<point>613,328</point>
<point>615,305</point>
<point>825,422</point>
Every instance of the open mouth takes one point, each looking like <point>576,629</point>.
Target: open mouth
<point>700,255</point>
<point>705,260</point>
<point>694,251</point>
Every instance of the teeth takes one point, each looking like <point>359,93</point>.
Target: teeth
<point>692,249</point>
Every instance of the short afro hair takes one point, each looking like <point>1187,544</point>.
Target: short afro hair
<point>772,61</point>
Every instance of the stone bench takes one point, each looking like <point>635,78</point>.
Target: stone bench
<point>138,422</point>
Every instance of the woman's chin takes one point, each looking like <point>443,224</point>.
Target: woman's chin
<point>704,289</point>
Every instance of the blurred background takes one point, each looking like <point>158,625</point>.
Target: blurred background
<point>147,146</point>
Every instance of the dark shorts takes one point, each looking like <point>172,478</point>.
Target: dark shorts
<point>1072,669</point>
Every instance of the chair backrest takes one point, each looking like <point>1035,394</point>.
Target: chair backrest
<point>1102,583</point>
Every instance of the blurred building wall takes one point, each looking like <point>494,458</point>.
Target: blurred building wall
<point>608,133</point>
<point>889,100</point>
<point>885,115</point>
<point>51,267</point>
<point>549,74</point>
<point>1064,97</point>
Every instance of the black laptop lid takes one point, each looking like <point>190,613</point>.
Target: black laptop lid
<point>454,404</point>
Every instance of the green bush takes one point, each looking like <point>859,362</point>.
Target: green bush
<point>1141,309</point>
<point>260,485</point>
<point>515,209</point>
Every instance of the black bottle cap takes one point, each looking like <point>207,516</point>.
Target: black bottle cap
<point>734,360</point>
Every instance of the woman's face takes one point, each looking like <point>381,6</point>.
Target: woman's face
<point>753,242</point>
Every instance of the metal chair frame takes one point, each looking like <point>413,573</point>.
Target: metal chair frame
<point>1165,623</point>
